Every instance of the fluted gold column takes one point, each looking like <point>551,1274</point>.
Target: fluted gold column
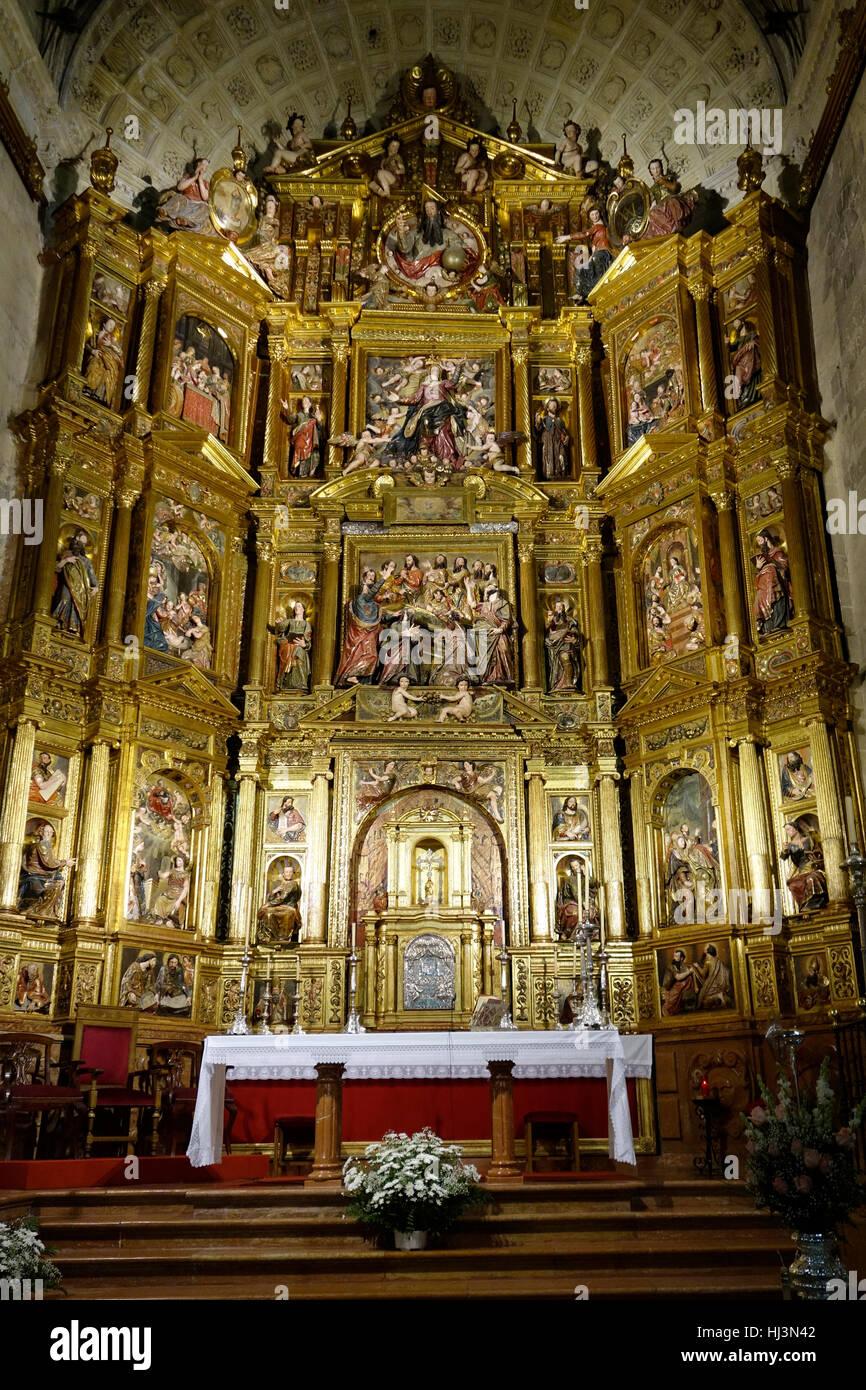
<point>828,797</point>
<point>261,604</point>
<point>767,320</point>
<point>119,564</point>
<point>641,855</point>
<point>754,793</point>
<point>539,899</point>
<point>144,356</point>
<point>700,293</point>
<point>77,335</point>
<point>91,840</point>
<point>244,857</point>
<point>522,416</point>
<point>611,840</point>
<point>207,912</point>
<point>733,590</point>
<point>14,815</point>
<point>528,608</point>
<point>272,419</point>
<point>792,503</point>
<point>316,869</point>
<point>588,455</point>
<point>325,636</point>
<point>57,469</point>
<point>591,556</point>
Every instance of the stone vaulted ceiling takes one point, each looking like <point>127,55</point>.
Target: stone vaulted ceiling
<point>191,72</point>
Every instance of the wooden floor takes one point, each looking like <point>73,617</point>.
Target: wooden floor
<point>653,1237</point>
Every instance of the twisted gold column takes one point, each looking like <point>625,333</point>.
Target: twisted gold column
<point>522,417</point>
<point>94,810</point>
<point>641,856</point>
<point>829,801</point>
<point>119,565</point>
<point>272,419</point>
<point>261,607</point>
<point>57,468</point>
<point>733,589</point>
<point>337,422</point>
<point>77,335</point>
<point>700,293</point>
<point>14,814</point>
<point>144,357</point>
<point>792,503</point>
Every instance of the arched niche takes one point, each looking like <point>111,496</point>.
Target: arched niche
<point>669,599</point>
<point>684,826</point>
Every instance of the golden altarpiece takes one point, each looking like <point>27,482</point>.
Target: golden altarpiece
<point>409,570</point>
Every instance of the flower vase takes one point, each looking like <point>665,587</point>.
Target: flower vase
<point>410,1240</point>
<point>816,1262</point>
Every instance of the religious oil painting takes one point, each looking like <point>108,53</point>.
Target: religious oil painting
<point>812,981</point>
<point>696,978</point>
<point>157,981</point>
<point>443,619</point>
<point>689,842</point>
<point>278,918</point>
<point>773,601</point>
<point>158,888</point>
<point>569,818</point>
<point>177,605</point>
<point>551,381</point>
<point>111,293</point>
<point>286,819</point>
<point>430,252</point>
<point>673,601</point>
<point>49,774</point>
<point>201,376</point>
<point>796,778</point>
<point>654,381</point>
<point>83,503</point>
<point>428,417</point>
<point>763,504</point>
<point>33,986</point>
<point>740,296</point>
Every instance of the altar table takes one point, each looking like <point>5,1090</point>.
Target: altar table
<point>329,1058</point>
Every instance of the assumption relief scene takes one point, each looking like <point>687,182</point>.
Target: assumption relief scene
<point>428,635</point>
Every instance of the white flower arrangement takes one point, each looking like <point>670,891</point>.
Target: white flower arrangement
<point>23,1254</point>
<point>411,1183</point>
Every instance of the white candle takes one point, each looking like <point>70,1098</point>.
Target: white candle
<point>850,823</point>
<point>354,930</point>
<point>601,915</point>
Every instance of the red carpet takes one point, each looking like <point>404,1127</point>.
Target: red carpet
<point>36,1174</point>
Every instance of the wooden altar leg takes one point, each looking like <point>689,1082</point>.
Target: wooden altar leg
<point>504,1166</point>
<point>327,1166</point>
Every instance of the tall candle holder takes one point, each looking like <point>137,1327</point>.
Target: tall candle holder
<point>239,1026</point>
<point>603,959</point>
<point>506,1021</point>
<point>590,1014</point>
<point>296,998</point>
<point>353,1022</point>
<point>265,1006</point>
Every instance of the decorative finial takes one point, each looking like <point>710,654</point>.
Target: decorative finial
<point>239,159</point>
<point>625,168</point>
<point>349,128</point>
<point>750,169</point>
<point>103,165</point>
<point>514,131</point>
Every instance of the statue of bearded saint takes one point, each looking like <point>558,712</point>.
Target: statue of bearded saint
<point>431,253</point>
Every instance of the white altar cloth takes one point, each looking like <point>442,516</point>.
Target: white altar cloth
<point>602,1053</point>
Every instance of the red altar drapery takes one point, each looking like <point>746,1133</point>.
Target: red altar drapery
<point>454,1109</point>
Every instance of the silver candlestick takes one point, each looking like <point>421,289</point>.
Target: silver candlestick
<point>506,1021</point>
<point>603,958</point>
<point>590,1015</point>
<point>265,1006</point>
<point>296,1008</point>
<point>353,1022</point>
<point>240,1027</point>
<point>856,866</point>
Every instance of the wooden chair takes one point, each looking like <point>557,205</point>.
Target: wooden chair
<point>176,1065</point>
<point>552,1141</point>
<point>27,1091</point>
<point>294,1141</point>
<point>105,1052</point>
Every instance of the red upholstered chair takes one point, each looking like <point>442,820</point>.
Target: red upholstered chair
<point>105,1051</point>
<point>28,1094</point>
<point>176,1063</point>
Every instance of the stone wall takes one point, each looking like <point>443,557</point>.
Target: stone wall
<point>21,278</point>
<point>837,282</point>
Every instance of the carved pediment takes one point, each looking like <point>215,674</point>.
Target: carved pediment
<point>186,683</point>
<point>666,685</point>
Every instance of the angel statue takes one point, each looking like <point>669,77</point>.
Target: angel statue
<point>379,292</point>
<point>299,149</point>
